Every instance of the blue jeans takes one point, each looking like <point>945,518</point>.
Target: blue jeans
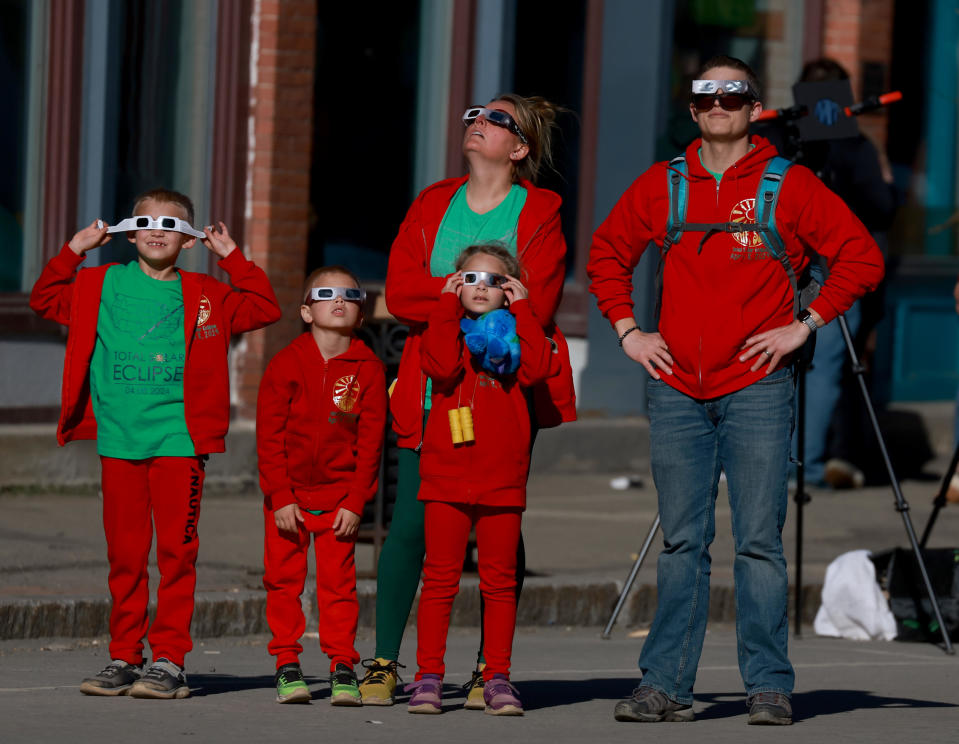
<point>823,388</point>
<point>747,435</point>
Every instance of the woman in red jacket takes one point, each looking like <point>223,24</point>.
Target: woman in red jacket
<point>506,144</point>
<point>474,465</point>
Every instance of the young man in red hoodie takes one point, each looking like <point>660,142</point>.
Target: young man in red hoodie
<point>146,376</point>
<point>320,418</point>
<point>721,394</point>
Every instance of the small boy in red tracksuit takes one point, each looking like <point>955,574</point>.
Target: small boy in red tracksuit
<point>481,481</point>
<point>320,418</point>
<point>146,376</point>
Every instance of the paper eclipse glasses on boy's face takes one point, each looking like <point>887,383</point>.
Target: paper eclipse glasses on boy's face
<point>174,224</point>
<point>497,118</point>
<point>349,294</point>
<point>471,278</point>
<point>731,94</point>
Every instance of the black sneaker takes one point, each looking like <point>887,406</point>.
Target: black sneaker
<point>344,688</point>
<point>647,705</point>
<point>164,680</point>
<point>116,679</point>
<point>290,685</point>
<point>769,709</point>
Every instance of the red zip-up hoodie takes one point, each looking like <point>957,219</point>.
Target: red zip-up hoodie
<point>412,292</point>
<point>319,427</point>
<point>212,312</point>
<point>491,470</point>
<point>714,300</point>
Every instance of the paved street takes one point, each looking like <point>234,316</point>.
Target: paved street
<point>569,680</point>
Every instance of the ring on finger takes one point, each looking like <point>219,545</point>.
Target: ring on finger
<point>767,352</point>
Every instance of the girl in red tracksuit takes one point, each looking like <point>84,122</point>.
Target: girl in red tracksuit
<point>480,483</point>
<point>321,414</point>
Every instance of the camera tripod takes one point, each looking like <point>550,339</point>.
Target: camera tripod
<point>940,500</point>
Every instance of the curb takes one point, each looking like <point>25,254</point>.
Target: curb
<point>544,603</point>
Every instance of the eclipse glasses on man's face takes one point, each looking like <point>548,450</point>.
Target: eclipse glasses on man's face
<point>497,118</point>
<point>731,94</point>
<point>173,224</point>
<point>472,278</point>
<point>349,294</point>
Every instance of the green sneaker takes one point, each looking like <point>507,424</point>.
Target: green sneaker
<point>290,685</point>
<point>344,689</point>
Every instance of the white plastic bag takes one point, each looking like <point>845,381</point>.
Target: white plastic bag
<point>853,606</point>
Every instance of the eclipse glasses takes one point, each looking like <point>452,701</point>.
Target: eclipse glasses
<point>472,278</point>
<point>731,94</point>
<point>349,294</point>
<point>174,224</point>
<point>497,118</point>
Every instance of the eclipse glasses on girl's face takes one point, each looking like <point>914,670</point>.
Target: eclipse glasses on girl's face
<point>174,224</point>
<point>350,294</point>
<point>471,278</point>
<point>498,118</point>
<point>731,94</point>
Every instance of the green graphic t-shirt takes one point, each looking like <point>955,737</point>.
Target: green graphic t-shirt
<point>462,227</point>
<point>136,374</point>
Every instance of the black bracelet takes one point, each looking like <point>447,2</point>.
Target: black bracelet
<point>626,333</point>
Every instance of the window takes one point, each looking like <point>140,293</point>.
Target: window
<point>14,129</point>
<point>364,122</point>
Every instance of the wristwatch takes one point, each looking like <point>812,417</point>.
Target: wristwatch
<point>806,317</point>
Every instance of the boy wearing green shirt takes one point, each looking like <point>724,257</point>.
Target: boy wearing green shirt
<point>146,376</point>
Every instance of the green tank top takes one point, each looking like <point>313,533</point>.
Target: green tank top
<point>136,374</point>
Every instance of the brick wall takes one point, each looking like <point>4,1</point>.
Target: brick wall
<point>858,31</point>
<point>278,175</point>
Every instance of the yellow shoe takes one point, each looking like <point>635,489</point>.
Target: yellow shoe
<point>474,690</point>
<point>379,683</point>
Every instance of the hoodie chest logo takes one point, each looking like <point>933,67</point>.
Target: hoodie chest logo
<point>749,246</point>
<point>205,310</point>
<point>346,391</point>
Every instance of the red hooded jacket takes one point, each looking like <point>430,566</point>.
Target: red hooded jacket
<point>713,301</point>
<point>212,312</point>
<point>319,427</point>
<point>412,292</point>
<point>491,470</point>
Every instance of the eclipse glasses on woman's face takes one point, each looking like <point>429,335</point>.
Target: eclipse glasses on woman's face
<point>174,224</point>
<point>350,294</point>
<point>731,94</point>
<point>498,118</point>
<point>472,278</point>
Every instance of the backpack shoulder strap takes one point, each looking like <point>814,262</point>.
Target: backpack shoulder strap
<point>767,197</point>
<point>677,184</point>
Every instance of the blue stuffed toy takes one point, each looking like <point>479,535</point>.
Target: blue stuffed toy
<point>492,339</point>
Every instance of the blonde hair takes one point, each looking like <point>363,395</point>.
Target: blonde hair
<point>536,118</point>
<point>331,269</point>
<point>167,196</point>
<point>494,250</point>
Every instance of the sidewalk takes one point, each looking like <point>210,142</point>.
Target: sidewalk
<point>569,679</point>
<point>581,540</point>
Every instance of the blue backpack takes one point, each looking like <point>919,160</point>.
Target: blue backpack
<point>767,196</point>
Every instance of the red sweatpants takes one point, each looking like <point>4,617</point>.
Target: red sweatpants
<point>285,566</point>
<point>447,529</point>
<point>164,492</point>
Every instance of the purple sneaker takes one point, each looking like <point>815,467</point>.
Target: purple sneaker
<point>427,692</point>
<point>502,699</point>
